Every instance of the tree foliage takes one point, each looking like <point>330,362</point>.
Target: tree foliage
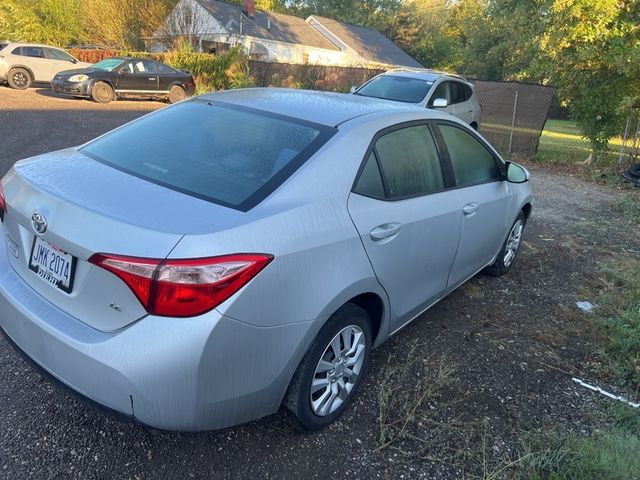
<point>589,49</point>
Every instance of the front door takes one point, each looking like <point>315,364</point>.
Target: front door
<point>137,77</point>
<point>482,196</point>
<point>408,222</point>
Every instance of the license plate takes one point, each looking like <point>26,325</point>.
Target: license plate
<point>52,264</point>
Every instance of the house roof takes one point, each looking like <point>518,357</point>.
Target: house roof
<point>267,25</point>
<point>369,44</point>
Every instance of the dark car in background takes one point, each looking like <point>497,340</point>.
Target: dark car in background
<point>125,76</point>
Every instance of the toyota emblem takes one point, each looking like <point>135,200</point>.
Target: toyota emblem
<point>39,222</point>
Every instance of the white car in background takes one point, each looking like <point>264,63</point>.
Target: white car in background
<point>428,88</point>
<point>22,64</point>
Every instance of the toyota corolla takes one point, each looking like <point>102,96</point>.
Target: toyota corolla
<point>245,250</point>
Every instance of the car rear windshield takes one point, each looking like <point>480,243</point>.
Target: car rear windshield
<point>3,46</point>
<point>108,65</point>
<point>227,154</point>
<point>400,89</point>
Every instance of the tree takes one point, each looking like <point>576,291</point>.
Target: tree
<point>123,23</point>
<point>55,22</point>
<point>591,52</point>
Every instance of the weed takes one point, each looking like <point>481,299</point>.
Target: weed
<point>400,406</point>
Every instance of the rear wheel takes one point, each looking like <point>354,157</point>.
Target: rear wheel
<point>332,370</point>
<point>510,249</point>
<point>102,93</point>
<point>177,94</point>
<point>19,78</point>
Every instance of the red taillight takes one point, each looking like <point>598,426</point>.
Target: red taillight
<point>183,288</point>
<point>3,204</point>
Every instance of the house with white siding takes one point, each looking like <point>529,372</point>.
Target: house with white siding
<point>214,26</point>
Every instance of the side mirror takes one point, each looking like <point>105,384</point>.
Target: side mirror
<point>354,88</point>
<point>440,103</point>
<point>516,173</point>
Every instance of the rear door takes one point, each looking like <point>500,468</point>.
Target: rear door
<point>137,77</point>
<point>408,221</point>
<point>482,195</point>
<point>166,76</point>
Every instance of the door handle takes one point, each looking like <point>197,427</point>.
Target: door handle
<point>386,230</point>
<point>470,111</point>
<point>470,209</point>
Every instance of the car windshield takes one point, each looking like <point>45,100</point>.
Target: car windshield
<point>400,89</point>
<point>108,65</point>
<point>227,154</point>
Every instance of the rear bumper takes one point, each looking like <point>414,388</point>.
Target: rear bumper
<point>190,374</point>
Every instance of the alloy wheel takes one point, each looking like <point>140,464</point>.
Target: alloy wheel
<point>337,371</point>
<point>513,243</point>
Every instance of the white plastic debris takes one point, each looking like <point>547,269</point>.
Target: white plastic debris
<point>605,393</point>
<point>585,306</point>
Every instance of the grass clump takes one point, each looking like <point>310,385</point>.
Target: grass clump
<point>619,319</point>
<point>561,455</point>
<point>629,206</point>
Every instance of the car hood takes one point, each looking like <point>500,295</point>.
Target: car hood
<point>88,70</point>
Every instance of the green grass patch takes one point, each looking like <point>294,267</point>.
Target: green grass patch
<point>619,318</point>
<point>613,451</point>
<point>629,206</point>
<point>562,142</point>
<point>560,455</point>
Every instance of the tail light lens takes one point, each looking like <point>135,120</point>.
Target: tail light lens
<point>3,204</point>
<point>185,287</point>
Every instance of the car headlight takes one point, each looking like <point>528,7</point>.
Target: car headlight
<point>78,78</point>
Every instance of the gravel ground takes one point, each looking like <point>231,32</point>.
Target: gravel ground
<point>492,360</point>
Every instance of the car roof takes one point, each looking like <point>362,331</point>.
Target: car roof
<point>325,108</point>
<point>423,74</point>
<point>28,44</point>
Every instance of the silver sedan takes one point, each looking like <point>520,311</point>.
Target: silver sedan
<point>212,261</point>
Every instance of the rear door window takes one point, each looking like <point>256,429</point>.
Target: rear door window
<point>227,154</point>
<point>165,69</point>
<point>409,162</point>
<point>460,92</point>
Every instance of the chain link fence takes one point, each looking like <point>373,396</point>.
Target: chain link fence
<point>513,115</point>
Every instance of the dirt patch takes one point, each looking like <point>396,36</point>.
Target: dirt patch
<point>447,397</point>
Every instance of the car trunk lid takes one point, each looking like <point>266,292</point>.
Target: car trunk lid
<point>84,207</point>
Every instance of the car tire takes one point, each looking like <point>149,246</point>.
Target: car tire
<point>340,374</point>
<point>102,92</point>
<point>19,78</point>
<point>177,94</point>
<point>510,248</point>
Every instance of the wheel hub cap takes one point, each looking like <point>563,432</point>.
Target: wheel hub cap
<point>513,243</point>
<point>337,371</point>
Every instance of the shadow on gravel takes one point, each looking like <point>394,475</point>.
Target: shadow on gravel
<point>34,132</point>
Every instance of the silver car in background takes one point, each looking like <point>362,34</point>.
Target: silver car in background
<point>427,88</point>
<point>214,260</point>
<point>22,64</point>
